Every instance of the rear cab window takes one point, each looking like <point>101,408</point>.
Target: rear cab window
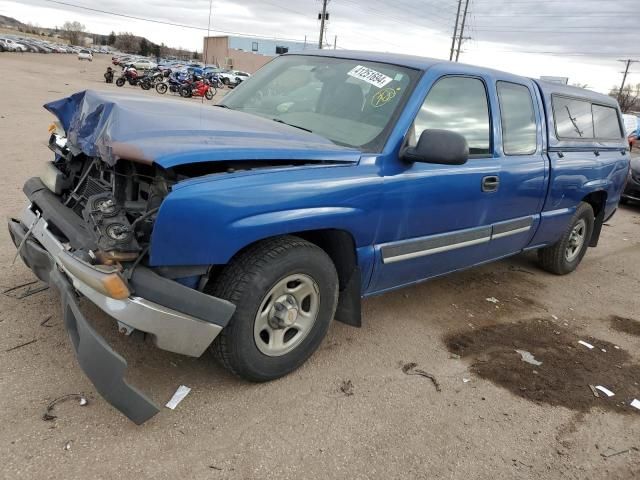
<point>518,119</point>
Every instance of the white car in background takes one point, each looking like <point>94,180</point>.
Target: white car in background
<point>144,64</point>
<point>231,76</point>
<point>14,46</point>
<point>85,54</point>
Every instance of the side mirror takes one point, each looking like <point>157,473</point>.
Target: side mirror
<point>438,146</point>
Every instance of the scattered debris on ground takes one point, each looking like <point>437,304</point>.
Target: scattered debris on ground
<point>527,357</point>
<point>48,414</point>
<point>44,322</point>
<point>410,369</point>
<point>180,394</point>
<point>567,369</point>
<point>26,289</point>
<point>346,387</point>
<point>619,452</point>
<point>492,300</point>
<point>625,325</point>
<point>21,345</point>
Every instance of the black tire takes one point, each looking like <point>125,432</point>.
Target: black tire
<point>624,201</point>
<point>120,82</point>
<point>226,81</point>
<point>555,258</point>
<point>247,280</point>
<point>185,92</point>
<point>146,85</point>
<point>162,88</point>
<point>209,93</point>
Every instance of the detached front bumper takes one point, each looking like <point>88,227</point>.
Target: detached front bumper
<point>171,329</point>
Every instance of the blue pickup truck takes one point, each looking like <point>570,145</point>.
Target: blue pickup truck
<point>246,227</point>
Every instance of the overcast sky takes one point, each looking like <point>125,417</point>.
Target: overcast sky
<point>581,40</point>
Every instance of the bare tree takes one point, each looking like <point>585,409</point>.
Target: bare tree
<point>127,42</point>
<point>72,31</point>
<point>628,99</point>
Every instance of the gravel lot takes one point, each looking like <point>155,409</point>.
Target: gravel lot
<point>495,416</point>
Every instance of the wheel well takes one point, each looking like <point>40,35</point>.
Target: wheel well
<point>341,248</point>
<point>597,200</point>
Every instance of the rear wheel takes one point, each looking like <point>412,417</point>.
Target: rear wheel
<point>120,82</point>
<point>185,92</point>
<point>565,255</point>
<point>162,88</point>
<point>285,291</point>
<point>209,94</point>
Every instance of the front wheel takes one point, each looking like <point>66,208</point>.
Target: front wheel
<point>209,94</point>
<point>185,92</point>
<point>120,82</point>
<point>285,290</point>
<point>145,85</point>
<point>565,255</point>
<point>161,88</point>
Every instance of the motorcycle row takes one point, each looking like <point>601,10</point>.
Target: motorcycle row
<point>185,83</point>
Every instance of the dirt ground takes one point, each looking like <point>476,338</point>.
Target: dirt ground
<point>351,411</point>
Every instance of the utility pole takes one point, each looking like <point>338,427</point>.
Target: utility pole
<point>335,41</point>
<point>323,16</point>
<point>624,74</point>
<point>455,31</point>
<point>464,19</point>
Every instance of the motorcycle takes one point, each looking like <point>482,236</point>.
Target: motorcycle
<point>129,74</point>
<point>200,87</point>
<point>172,84</point>
<point>151,79</point>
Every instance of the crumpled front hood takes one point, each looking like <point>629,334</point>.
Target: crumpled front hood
<point>171,132</point>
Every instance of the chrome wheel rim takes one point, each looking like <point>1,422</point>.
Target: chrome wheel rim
<point>576,241</point>
<point>286,315</point>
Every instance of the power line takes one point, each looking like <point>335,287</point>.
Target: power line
<point>173,24</point>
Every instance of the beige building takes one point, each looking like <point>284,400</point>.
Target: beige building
<point>243,53</point>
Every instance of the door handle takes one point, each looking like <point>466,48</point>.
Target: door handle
<point>490,183</point>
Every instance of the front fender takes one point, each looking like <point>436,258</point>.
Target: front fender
<point>207,222</point>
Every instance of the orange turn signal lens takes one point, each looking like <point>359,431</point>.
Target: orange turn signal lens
<point>52,128</point>
<point>115,287</point>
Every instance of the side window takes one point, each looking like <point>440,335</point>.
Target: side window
<point>573,118</point>
<point>518,119</point>
<point>458,104</point>
<point>605,122</point>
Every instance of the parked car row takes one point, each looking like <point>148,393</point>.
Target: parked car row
<point>14,43</point>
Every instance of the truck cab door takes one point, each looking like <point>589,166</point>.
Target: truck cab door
<point>522,174</point>
<point>437,218</point>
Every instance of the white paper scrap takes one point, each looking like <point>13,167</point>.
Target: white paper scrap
<point>492,300</point>
<point>178,397</point>
<point>636,403</point>
<point>528,357</point>
<point>604,390</point>
<point>588,345</point>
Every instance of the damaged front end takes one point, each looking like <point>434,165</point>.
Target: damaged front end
<point>87,233</point>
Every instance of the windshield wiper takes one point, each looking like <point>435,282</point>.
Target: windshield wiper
<point>573,121</point>
<point>291,125</point>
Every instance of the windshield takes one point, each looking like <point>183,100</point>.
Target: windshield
<point>350,102</point>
